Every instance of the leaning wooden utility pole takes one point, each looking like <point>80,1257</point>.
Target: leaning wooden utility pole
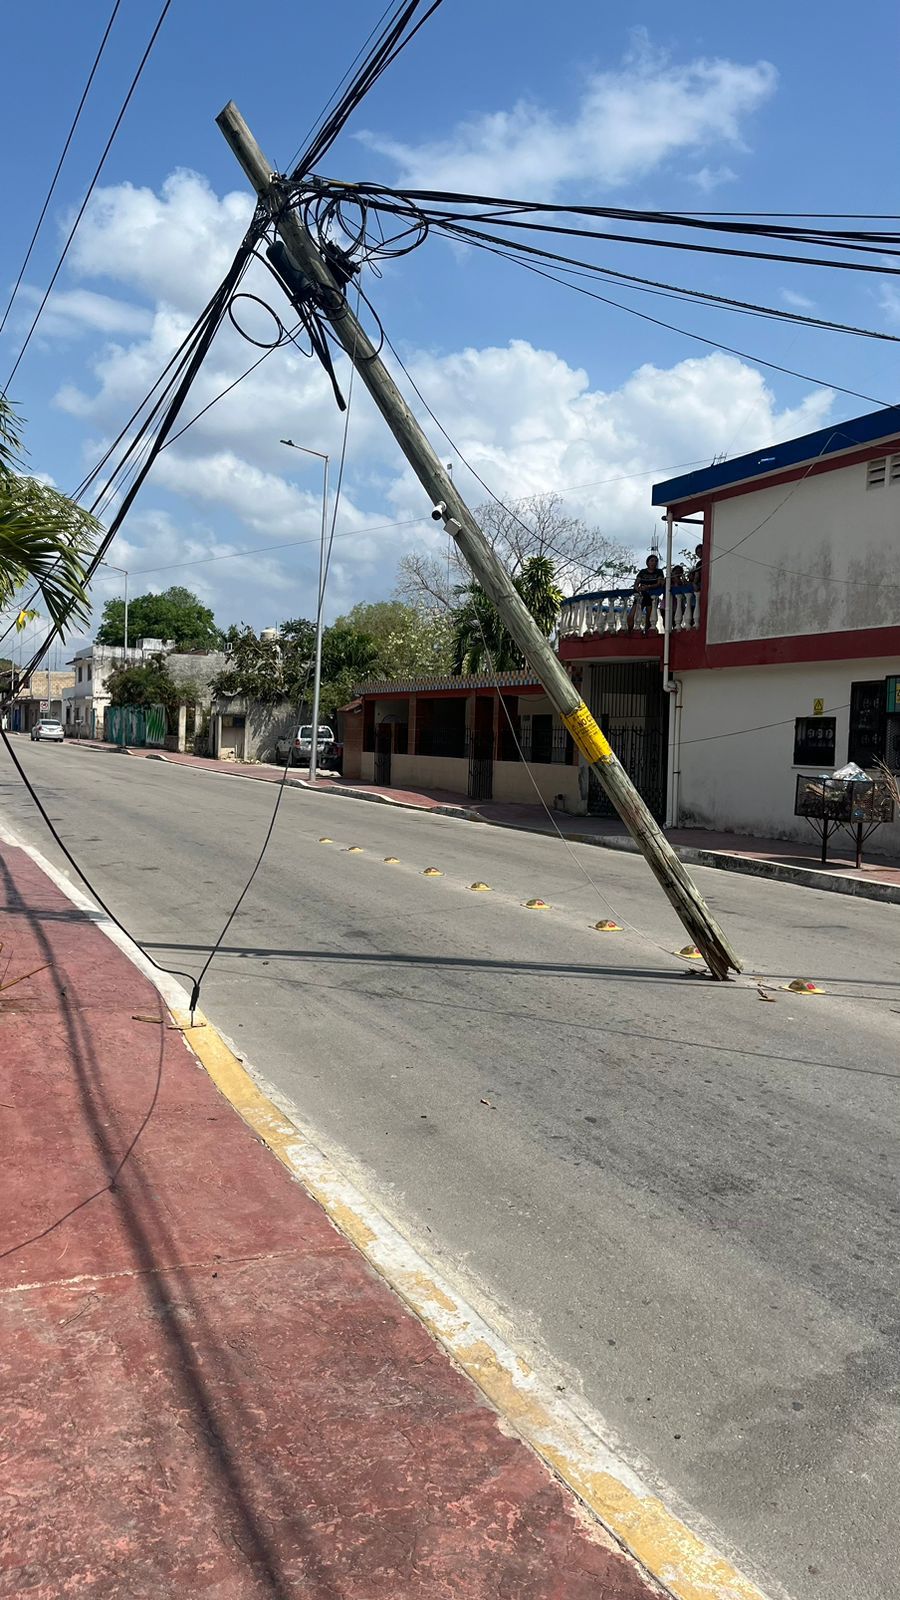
<point>450,508</point>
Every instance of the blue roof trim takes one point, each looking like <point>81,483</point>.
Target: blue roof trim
<point>880,424</point>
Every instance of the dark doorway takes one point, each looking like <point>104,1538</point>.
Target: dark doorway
<point>383,743</point>
<point>481,750</point>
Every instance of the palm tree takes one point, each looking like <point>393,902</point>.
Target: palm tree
<point>45,538</point>
<point>479,638</point>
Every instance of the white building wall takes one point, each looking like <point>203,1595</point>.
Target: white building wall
<point>815,556</point>
<point>737,771</point>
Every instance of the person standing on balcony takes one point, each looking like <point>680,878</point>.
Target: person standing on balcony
<point>694,578</point>
<point>680,599</point>
<point>650,581</point>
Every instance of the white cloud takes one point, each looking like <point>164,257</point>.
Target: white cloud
<point>797,302</point>
<point>175,246</point>
<point>709,178</point>
<point>526,419</point>
<point>72,312</point>
<point>889,300</point>
<point>628,122</point>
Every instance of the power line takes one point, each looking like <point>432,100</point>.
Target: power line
<point>394,38</point>
<point>195,992</point>
<point>687,333</point>
<point>59,164</point>
<point>97,171</point>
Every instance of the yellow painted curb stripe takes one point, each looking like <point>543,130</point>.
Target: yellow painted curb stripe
<point>584,730</point>
<point>664,1546</point>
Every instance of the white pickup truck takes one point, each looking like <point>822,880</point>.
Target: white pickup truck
<point>299,747</point>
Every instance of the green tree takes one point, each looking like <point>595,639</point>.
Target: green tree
<point>175,614</point>
<point>45,538</point>
<point>409,642</point>
<point>148,684</point>
<point>479,637</point>
<point>253,668</point>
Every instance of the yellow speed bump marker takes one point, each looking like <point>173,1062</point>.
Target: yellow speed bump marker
<point>608,927</point>
<point>691,953</point>
<point>391,861</point>
<point>326,841</point>
<point>480,888</point>
<point>803,986</point>
<point>355,850</point>
<point>432,872</point>
<point>536,905</point>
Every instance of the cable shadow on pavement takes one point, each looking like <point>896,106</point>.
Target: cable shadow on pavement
<point>192,1341</point>
<point>588,1026</point>
<point>556,969</point>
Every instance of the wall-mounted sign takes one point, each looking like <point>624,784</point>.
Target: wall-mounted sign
<point>818,707</point>
<point>892,702</point>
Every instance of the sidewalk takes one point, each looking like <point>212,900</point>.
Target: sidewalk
<point>785,860</point>
<point>206,1390</point>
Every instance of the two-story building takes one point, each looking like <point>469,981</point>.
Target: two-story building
<point>783,661</point>
<point>86,701</point>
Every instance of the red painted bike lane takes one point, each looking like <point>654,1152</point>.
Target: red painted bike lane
<point>205,1390</point>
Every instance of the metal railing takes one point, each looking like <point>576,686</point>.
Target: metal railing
<point>624,611</point>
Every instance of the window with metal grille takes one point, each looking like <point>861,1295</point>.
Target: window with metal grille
<point>895,469</point>
<point>876,473</point>
<point>865,745</point>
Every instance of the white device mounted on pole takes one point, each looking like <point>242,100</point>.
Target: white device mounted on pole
<point>449,507</point>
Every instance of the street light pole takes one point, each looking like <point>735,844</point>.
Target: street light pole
<point>114,568</point>
<point>320,609</point>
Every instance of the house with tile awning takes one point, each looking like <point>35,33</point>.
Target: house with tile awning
<point>482,736</point>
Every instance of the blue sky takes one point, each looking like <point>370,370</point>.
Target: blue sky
<point>713,107</point>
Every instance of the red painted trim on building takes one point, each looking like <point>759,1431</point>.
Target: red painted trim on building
<point>871,452</point>
<point>612,647</point>
<point>691,653</point>
<point>854,644</point>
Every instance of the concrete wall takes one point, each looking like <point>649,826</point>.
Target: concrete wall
<point>831,527</point>
<point>430,772</point>
<point>263,726</point>
<point>745,783</point>
<point>198,669</point>
<point>512,782</point>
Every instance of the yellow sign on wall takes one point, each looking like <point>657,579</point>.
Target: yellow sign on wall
<point>818,707</point>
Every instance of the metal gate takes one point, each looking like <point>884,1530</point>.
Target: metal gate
<point>629,702</point>
<point>137,725</point>
<point>642,753</point>
<point>480,750</point>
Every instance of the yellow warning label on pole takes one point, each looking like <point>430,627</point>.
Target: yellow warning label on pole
<point>587,735</point>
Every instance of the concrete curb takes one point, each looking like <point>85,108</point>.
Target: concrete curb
<point>401,805</point>
<point>691,855</point>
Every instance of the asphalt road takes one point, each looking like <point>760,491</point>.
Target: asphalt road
<point>681,1201</point>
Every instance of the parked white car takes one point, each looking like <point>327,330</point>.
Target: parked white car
<point>48,729</point>
<point>301,745</point>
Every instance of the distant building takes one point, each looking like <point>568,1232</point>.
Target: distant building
<point>86,701</point>
<point>42,697</point>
